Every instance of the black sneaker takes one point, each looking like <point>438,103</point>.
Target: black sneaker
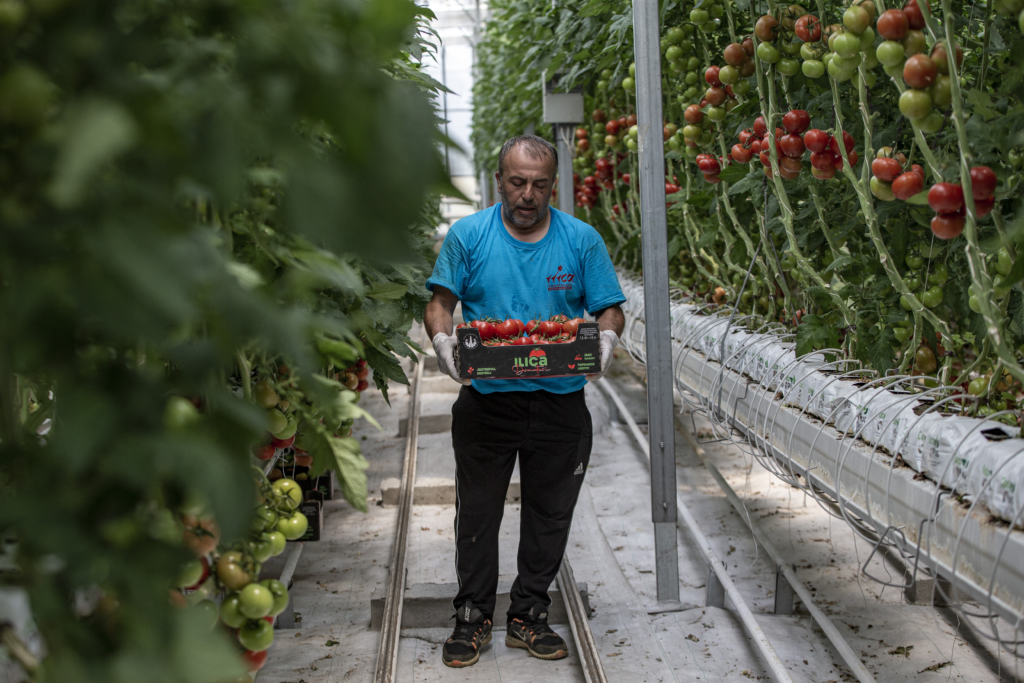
<point>532,633</point>
<point>471,633</point>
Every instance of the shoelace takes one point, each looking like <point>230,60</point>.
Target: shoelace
<point>537,628</point>
<point>467,632</point>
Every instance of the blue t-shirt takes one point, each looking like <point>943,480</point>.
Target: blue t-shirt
<point>497,276</point>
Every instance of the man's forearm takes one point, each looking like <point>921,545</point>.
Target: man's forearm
<point>437,319</point>
<point>612,318</point>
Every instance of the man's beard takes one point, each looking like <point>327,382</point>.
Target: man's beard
<point>509,212</point>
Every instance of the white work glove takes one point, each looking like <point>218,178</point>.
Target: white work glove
<point>444,349</point>
<point>609,340</point>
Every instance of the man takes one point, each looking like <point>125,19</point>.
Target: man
<point>499,263</point>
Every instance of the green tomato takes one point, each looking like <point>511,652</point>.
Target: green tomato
<point>691,78</point>
<point>912,283</point>
<point>882,190</point>
<point>276,421</point>
<point>905,303</point>
<point>812,68</point>
<point>265,516</point>
<point>1015,158</point>
<point>1004,264</point>
<point>628,84</point>
<point>293,527</point>
<point>602,85</point>
<point>289,492</point>
<point>870,58</point>
<point>262,549</point>
<point>230,613</point>
<point>191,574</point>
<point>792,47</point>
<point>277,542</point>
<point>767,53</point>
<point>788,66</point>
<point>867,39</point>
<point>716,113</point>
<point>913,261</point>
<point>709,26</point>
<point>847,63</point>
<point>255,601</point>
<point>632,145</point>
<point>808,51</point>
<point>997,287</point>
<point>846,45</point>
<point>837,73</point>
<point>673,53</point>
<point>632,69</point>
<point>280,593</point>
<point>674,144</point>
<point>915,104</point>
<point>693,64</point>
<point>1020,21</point>
<point>856,19</point>
<point>699,16</point>
<point>674,35</point>
<point>180,413</point>
<point>209,612</point>
<point>902,334</point>
<point>972,302</point>
<point>978,386</point>
<point>931,123</point>
<point>890,53</point>
<point>741,87</point>
<point>894,71</point>
<point>256,636</point>
<point>940,274</point>
<point>932,297</point>
<point>692,152</point>
<point>729,74</point>
<point>940,90</point>
<point>634,132</point>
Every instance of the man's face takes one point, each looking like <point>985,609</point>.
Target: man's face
<point>525,188</point>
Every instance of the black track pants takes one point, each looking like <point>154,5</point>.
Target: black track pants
<point>552,434</point>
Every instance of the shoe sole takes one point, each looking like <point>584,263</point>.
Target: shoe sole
<point>512,641</point>
<point>458,664</point>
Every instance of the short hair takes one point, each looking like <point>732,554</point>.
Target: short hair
<point>536,147</point>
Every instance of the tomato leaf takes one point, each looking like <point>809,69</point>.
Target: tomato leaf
<point>388,291</point>
<point>733,173</point>
<point>919,199</point>
<point>814,333</point>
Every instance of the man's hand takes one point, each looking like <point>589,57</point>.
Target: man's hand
<point>444,348</point>
<point>609,340</point>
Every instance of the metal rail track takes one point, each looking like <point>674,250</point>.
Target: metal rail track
<point>391,626</point>
<point>387,654</point>
<point>778,670</point>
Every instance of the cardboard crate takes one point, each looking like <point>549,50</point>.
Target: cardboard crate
<point>529,361</point>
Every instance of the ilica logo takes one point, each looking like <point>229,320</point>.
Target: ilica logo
<point>536,359</point>
<point>560,280</point>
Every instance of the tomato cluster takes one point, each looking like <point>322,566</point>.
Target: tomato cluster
<point>558,329</point>
<point>889,181</point>
<point>947,201</point>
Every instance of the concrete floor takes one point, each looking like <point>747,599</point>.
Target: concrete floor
<point>611,549</point>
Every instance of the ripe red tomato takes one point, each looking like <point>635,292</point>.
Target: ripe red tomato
<point>590,181</point>
<point>946,198</point>
<point>693,114</point>
<point>915,18</point>
<point>823,173</point>
<point>745,135</point>
<point>766,159</point>
<point>630,120</point>
<point>886,169</point>
<point>602,164</point>
<point>851,157</point>
<point>940,59</point>
<point>907,185</point>
<point>748,46</point>
<point>709,165</point>
<point>550,328</point>
<point>521,341</point>
<point>254,661</point>
<point>796,121</point>
<point>816,140</point>
<point>893,24</point>
<point>946,226</point>
<point>983,182</point>
<point>766,28</point>
<point>734,54</point>
<point>789,168</point>
<point>792,145</point>
<point>671,188</point>
<point>808,28</point>
<point>507,329</point>
<point>582,133</point>
<point>612,127</point>
<point>756,144</point>
<point>760,127</point>
<point>983,207</point>
<point>848,142</point>
<point>711,178</point>
<point>822,160</point>
<point>485,329</point>
<point>920,71</point>
<point>263,451</point>
<point>711,76</point>
<point>741,154</point>
<point>715,96</point>
<point>598,116</point>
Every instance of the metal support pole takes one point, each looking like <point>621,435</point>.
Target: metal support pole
<point>654,234</point>
<point>566,199</point>
<point>485,189</point>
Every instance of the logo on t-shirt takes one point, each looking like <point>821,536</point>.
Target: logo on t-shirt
<point>560,280</point>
